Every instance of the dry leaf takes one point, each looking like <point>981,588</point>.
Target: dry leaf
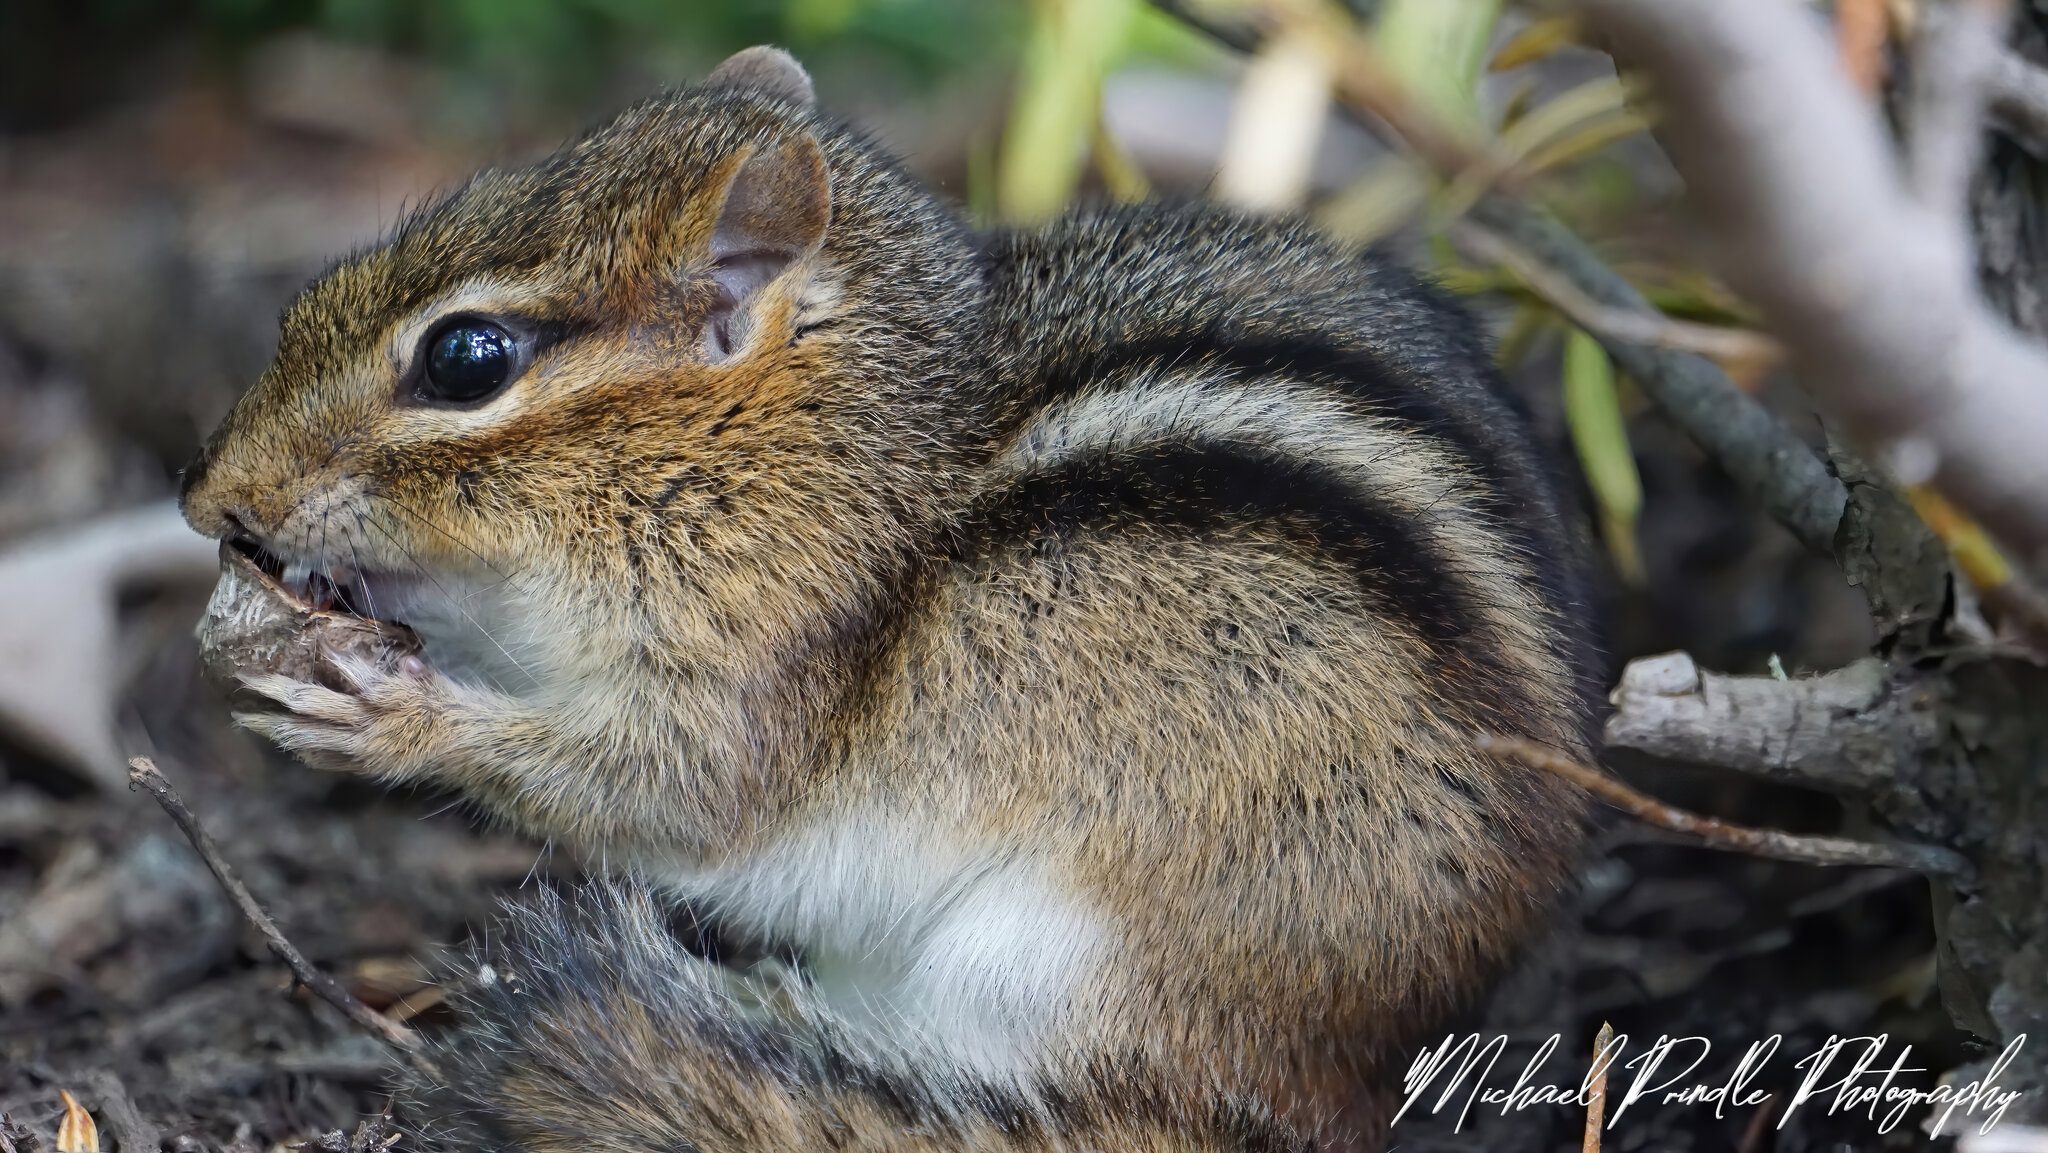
<point>58,595</point>
<point>76,1133</point>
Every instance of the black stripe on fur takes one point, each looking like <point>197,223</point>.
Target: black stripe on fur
<point>1509,502</point>
<point>1198,490</point>
<point>1310,358</point>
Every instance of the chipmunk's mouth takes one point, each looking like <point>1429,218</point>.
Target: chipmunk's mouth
<point>313,589</point>
<point>267,615</point>
<point>460,628</point>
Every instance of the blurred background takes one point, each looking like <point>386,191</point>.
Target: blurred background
<point>171,171</point>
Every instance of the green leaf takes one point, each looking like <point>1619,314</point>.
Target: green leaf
<point>1071,44</point>
<point>1437,49</point>
<point>1390,194</point>
<point>1592,407</point>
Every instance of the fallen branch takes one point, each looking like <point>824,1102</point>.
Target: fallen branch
<point>1838,732</point>
<point>1927,859</point>
<point>142,771</point>
<point>1870,289</point>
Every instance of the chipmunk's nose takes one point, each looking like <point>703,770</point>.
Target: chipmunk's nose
<point>195,475</point>
<point>208,511</point>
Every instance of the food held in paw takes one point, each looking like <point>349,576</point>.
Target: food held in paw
<point>257,622</point>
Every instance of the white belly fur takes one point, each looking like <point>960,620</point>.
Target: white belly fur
<point>971,958</point>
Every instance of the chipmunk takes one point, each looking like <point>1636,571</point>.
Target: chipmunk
<point>1064,646</point>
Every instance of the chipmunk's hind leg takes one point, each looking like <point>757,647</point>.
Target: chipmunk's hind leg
<point>589,1027</point>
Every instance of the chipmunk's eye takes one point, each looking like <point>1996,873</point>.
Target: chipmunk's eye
<point>468,359</point>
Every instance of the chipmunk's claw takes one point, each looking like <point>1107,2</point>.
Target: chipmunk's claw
<point>381,720</point>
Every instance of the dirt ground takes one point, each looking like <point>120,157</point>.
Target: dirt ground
<point>137,294</point>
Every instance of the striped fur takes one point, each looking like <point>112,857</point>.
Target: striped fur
<point>1067,645</point>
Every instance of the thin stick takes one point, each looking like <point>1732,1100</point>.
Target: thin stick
<point>1750,350</point>
<point>1596,1101</point>
<point>142,771</point>
<point>1716,834</point>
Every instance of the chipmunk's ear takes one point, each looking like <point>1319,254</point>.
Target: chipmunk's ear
<point>766,69</point>
<point>776,209</point>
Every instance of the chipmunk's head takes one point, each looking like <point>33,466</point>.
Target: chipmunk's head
<point>676,378</point>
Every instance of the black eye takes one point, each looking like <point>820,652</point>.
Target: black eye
<point>468,359</point>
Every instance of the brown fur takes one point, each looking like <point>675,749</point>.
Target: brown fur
<point>881,572</point>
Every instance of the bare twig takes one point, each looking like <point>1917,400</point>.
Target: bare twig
<point>1872,293</point>
<point>2018,91</point>
<point>1596,1100</point>
<point>142,771</point>
<point>1624,325</point>
<point>1718,834</point>
<point>1369,88</point>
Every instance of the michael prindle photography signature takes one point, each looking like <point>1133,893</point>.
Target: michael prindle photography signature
<point>1844,1075</point>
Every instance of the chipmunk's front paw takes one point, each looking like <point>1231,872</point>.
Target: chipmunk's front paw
<point>387,720</point>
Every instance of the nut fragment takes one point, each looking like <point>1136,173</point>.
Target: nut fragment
<point>253,624</point>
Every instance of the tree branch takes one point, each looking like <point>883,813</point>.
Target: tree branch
<point>1953,55</point>
<point>2018,91</point>
<point>1615,324</point>
<point>1870,290</point>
